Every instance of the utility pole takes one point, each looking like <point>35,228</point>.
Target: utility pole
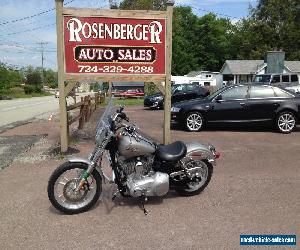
<point>42,50</point>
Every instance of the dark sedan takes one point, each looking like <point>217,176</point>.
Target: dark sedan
<point>180,92</point>
<point>246,103</point>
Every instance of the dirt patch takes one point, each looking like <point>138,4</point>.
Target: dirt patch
<point>12,147</point>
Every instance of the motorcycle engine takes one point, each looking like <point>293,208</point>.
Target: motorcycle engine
<point>141,180</point>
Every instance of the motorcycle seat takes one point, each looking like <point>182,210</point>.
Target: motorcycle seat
<point>172,152</point>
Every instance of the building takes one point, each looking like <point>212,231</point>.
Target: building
<point>241,71</point>
<point>123,86</point>
<point>202,78</point>
<point>84,87</point>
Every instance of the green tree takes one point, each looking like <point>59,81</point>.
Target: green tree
<point>9,77</point>
<point>184,51</point>
<point>142,4</point>
<point>213,44</point>
<point>50,78</point>
<point>279,22</point>
<point>272,25</point>
<point>33,76</point>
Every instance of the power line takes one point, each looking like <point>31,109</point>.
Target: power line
<point>34,15</point>
<point>213,12</point>
<point>23,31</point>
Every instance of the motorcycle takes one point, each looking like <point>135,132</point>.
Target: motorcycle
<point>140,167</point>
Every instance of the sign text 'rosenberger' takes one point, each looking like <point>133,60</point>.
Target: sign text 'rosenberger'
<point>105,45</point>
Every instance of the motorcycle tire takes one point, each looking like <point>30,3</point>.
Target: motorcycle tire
<point>70,207</point>
<point>191,191</point>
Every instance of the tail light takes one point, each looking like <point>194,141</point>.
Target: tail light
<point>217,155</point>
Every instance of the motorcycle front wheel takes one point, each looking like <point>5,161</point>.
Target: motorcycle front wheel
<point>62,188</point>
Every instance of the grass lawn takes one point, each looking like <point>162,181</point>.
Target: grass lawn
<point>126,102</point>
<point>17,94</point>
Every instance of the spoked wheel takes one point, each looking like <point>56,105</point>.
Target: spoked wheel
<point>286,122</point>
<point>201,178</point>
<point>62,188</point>
<point>194,122</point>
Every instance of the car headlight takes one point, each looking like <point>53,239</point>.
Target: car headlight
<point>175,110</point>
<point>158,98</point>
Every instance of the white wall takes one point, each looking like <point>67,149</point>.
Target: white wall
<point>214,79</point>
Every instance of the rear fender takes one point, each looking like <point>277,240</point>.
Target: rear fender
<point>198,151</point>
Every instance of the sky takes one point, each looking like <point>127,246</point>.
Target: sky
<point>20,40</point>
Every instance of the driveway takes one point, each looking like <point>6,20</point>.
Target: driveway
<point>254,190</point>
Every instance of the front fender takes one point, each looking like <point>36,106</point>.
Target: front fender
<point>198,151</point>
<point>86,162</point>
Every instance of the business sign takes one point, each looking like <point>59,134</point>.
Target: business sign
<point>105,45</point>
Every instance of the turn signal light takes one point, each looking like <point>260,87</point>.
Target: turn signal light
<point>217,155</point>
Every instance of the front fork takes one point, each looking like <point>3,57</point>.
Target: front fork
<point>85,176</point>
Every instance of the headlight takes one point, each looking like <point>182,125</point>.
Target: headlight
<point>158,98</point>
<point>175,110</point>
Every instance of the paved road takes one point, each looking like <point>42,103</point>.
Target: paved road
<point>254,190</point>
<point>27,108</point>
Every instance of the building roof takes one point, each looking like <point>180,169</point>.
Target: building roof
<point>248,67</point>
<point>196,73</point>
<point>293,66</point>
<point>243,67</point>
<point>128,84</point>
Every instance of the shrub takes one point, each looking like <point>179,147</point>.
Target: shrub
<point>17,90</point>
<point>29,89</point>
<point>38,89</point>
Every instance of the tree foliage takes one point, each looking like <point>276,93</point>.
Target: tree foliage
<point>33,76</point>
<point>272,25</point>
<point>204,43</point>
<point>9,76</point>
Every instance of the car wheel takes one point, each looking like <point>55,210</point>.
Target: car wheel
<point>194,122</point>
<point>286,122</point>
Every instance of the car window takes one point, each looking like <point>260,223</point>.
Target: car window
<point>276,78</point>
<point>281,93</point>
<point>262,78</point>
<point>237,92</point>
<point>261,92</point>
<point>285,78</point>
<point>191,88</point>
<point>179,88</point>
<point>294,78</point>
<point>201,90</point>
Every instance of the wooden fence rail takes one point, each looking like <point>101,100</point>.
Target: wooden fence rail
<point>87,105</point>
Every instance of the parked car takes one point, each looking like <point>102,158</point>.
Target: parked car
<point>295,89</point>
<point>132,93</point>
<point>56,94</point>
<point>279,80</point>
<point>180,92</point>
<point>244,103</point>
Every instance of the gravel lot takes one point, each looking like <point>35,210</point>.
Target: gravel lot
<point>254,190</point>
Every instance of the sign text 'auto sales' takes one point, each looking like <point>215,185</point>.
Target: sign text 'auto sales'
<point>105,45</point>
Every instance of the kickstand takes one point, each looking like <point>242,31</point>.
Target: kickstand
<point>143,201</point>
<point>115,195</point>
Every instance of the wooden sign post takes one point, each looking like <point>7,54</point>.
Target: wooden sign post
<point>113,45</point>
<point>167,103</point>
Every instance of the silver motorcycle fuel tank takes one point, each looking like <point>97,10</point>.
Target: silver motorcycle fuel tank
<point>129,146</point>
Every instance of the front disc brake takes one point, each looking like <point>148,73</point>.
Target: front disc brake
<point>70,192</point>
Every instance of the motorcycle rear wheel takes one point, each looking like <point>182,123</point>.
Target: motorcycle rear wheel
<point>199,184</point>
<point>62,185</point>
